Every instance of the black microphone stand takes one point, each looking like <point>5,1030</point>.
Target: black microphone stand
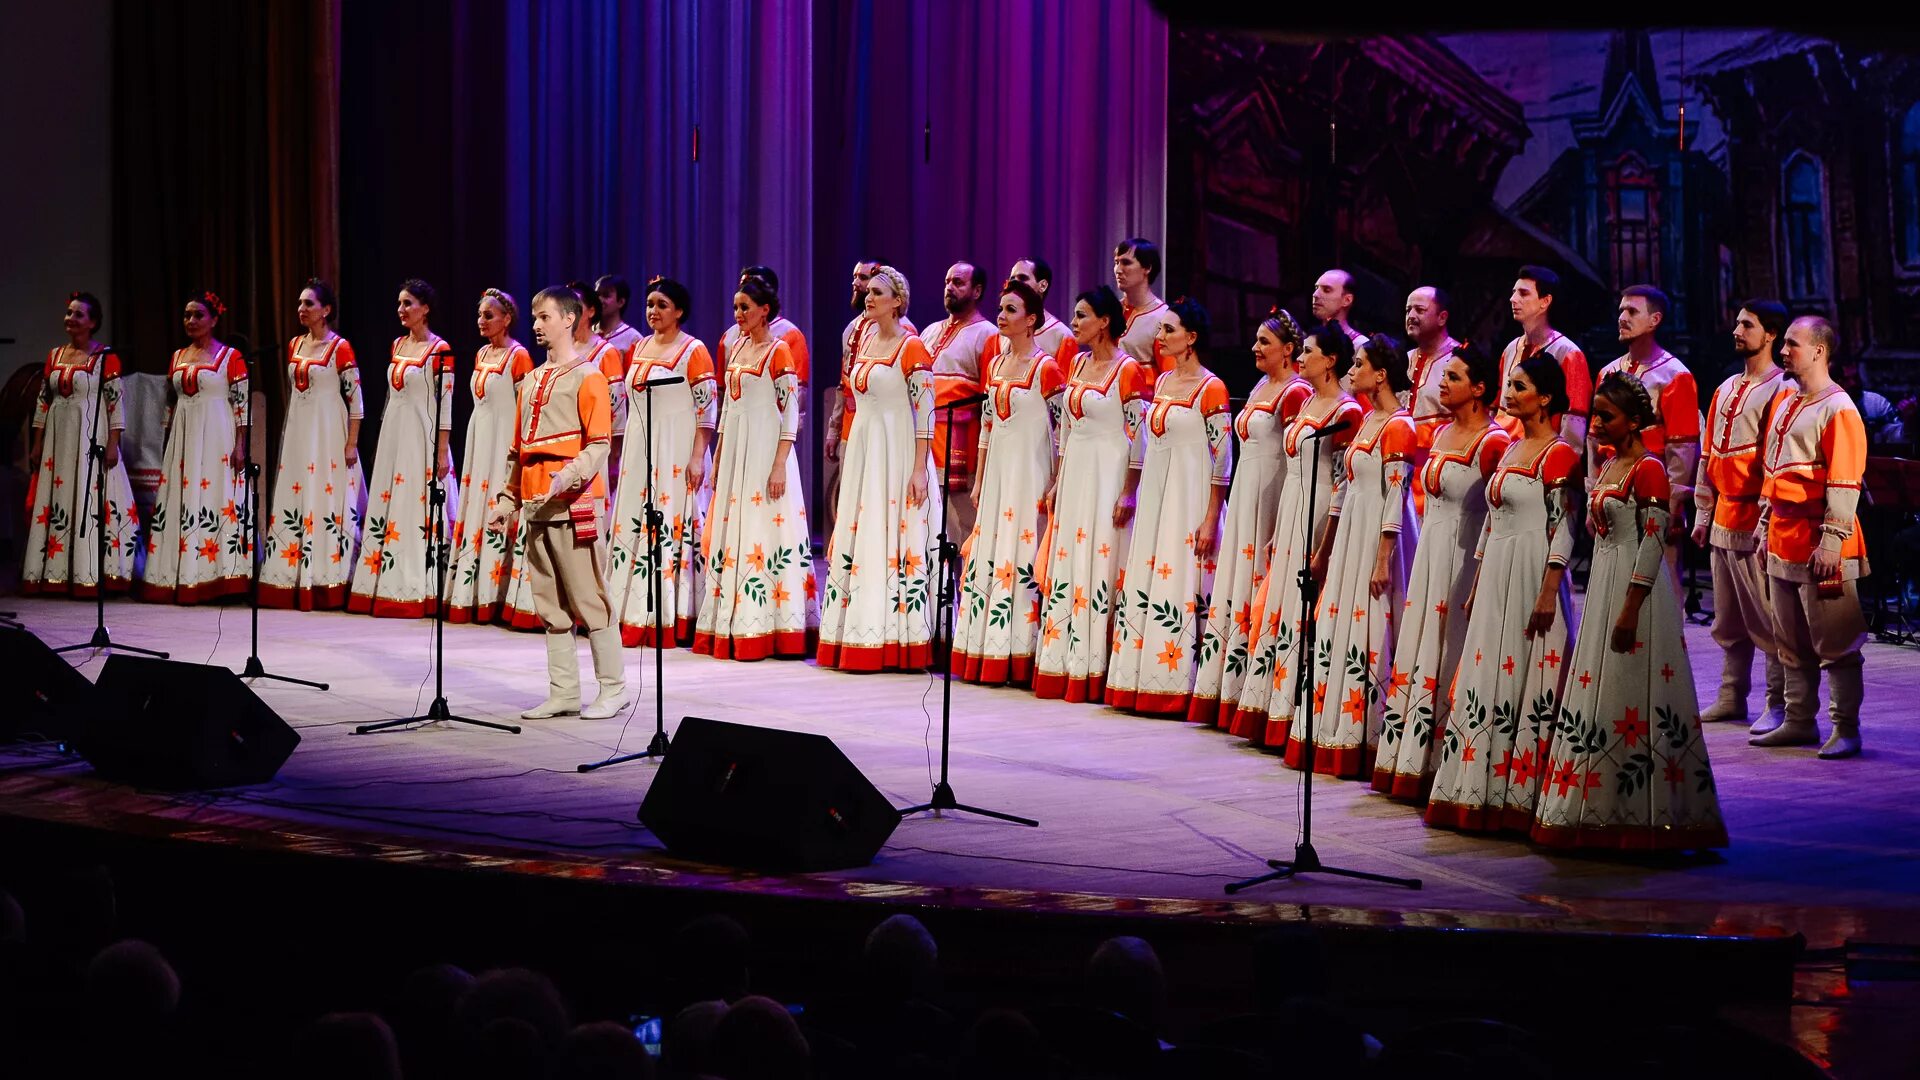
<point>943,797</point>
<point>437,558</point>
<point>254,669</point>
<point>1305,859</point>
<point>97,491</point>
<point>658,613</point>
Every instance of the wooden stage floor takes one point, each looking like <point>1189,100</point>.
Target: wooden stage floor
<point>1142,815</point>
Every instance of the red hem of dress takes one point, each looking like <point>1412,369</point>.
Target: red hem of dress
<point>793,644</point>
<point>641,637</point>
<point>1276,733</point>
<point>472,613</point>
<point>1401,786</point>
<point>1069,688</point>
<point>993,670</point>
<point>514,619</point>
<point>1479,819</point>
<point>380,608</point>
<point>1210,711</point>
<point>892,656</point>
<point>1247,724</point>
<point>1134,701</point>
<point>77,590</point>
<point>218,589</point>
<point>1629,838</point>
<point>1340,762</point>
<point>305,598</point>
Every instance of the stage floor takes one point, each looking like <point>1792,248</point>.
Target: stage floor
<point>1138,815</point>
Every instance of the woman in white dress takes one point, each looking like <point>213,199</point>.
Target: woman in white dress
<point>1264,709</point>
<point>199,540</point>
<point>881,560</point>
<point>1371,533</point>
<point>1427,643</point>
<point>481,571</point>
<point>1246,537</point>
<point>1518,621</point>
<point>63,548</point>
<point>762,600</point>
<point>684,416</point>
<point>1627,768</point>
<point>1184,453</point>
<point>998,621</point>
<point>313,528</point>
<point>1091,505</point>
<point>395,577</point>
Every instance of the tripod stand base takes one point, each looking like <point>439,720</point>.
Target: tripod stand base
<point>1307,861</point>
<point>437,711</point>
<point>655,749</point>
<point>101,640</point>
<point>253,670</point>
<point>943,800</point>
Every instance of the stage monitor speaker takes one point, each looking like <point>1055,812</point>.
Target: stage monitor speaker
<point>175,726</point>
<point>759,797</point>
<point>41,695</point>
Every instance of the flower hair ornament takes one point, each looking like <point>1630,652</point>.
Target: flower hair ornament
<point>211,301</point>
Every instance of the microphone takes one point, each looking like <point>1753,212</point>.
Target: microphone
<point>970,399</point>
<point>670,380</point>
<point>1331,429</point>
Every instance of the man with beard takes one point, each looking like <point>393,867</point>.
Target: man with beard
<point>1675,438</point>
<point>1726,501</point>
<point>1532,306</point>
<point>956,344</point>
<point>840,402</point>
<point>1054,337</point>
<point>1136,266</point>
<point>1426,361</point>
<point>1813,458</point>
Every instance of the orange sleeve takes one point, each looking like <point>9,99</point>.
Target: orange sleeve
<point>236,366</point>
<point>1579,382</point>
<point>1492,449</point>
<point>1213,397</point>
<point>1133,380</point>
<point>596,408</point>
<point>1050,378</point>
<point>443,359</point>
<point>797,343</point>
<point>343,358</point>
<point>1292,397</point>
<point>1065,354</point>
<point>1399,441</point>
<point>612,364</point>
<point>1680,409</point>
<point>108,370</point>
<point>519,363</point>
<point>783,360</point>
<point>699,365</point>
<point>989,353</point>
<point>915,357</point>
<point>1650,480</point>
<point>1559,466</point>
<point>1844,445</point>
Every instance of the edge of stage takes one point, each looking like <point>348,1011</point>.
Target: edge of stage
<point>1143,821</point>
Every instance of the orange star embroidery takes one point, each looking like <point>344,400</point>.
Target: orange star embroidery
<point>209,549</point>
<point>1170,656</point>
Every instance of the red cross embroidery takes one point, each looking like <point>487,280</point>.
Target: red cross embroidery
<point>1508,665</point>
<point>1586,679</point>
<point>1666,672</point>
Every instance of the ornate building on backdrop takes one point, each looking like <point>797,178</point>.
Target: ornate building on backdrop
<point>1637,207</point>
<point>1824,161</point>
<point>1378,155</point>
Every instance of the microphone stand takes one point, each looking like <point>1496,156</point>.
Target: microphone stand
<point>97,491</point>
<point>1305,859</point>
<point>657,610</point>
<point>437,558</point>
<point>943,797</point>
<point>255,500</point>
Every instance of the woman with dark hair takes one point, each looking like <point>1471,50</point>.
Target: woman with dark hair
<point>1519,619</point>
<point>63,551</point>
<point>395,577</point>
<point>999,616</point>
<point>1090,506</point>
<point>646,602</point>
<point>1426,647</point>
<point>759,559</point>
<point>1371,535</point>
<point>1246,537</point>
<point>1627,765</point>
<point>881,556</point>
<point>1264,707</point>
<point>199,546</point>
<point>1184,454</point>
<point>313,529</point>
<point>480,574</point>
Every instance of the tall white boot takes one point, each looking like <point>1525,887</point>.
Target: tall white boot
<point>1736,678</point>
<point>563,679</point>
<point>610,668</point>
<point>1776,713</point>
<point>1846,689</point>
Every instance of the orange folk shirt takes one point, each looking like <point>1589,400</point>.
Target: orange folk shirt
<point>561,411</point>
<point>1727,485</point>
<point>1814,455</point>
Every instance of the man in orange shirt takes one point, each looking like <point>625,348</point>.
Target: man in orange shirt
<point>1532,306</point>
<point>1726,503</point>
<point>1431,346</point>
<point>556,484</point>
<point>1815,454</point>
<point>1674,438</point>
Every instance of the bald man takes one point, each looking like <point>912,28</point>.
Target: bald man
<point>956,344</point>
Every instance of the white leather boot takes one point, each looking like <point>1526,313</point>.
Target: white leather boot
<point>1845,688</point>
<point>1798,728</point>
<point>1776,713</point>
<point>563,679</point>
<point>610,668</point>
